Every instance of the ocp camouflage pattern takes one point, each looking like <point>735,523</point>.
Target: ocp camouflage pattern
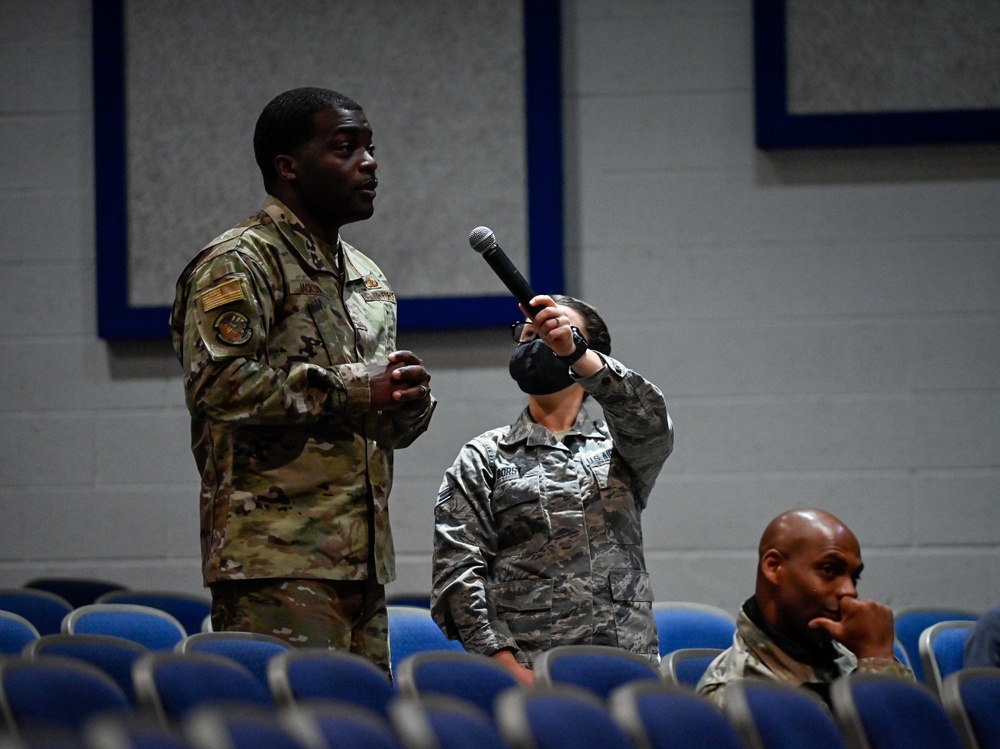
<point>753,654</point>
<point>538,542</point>
<point>309,613</point>
<point>275,338</point>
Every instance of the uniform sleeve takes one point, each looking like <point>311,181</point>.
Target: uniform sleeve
<point>733,663</point>
<point>400,427</point>
<point>637,418</point>
<point>465,543</point>
<point>221,319</point>
<point>888,666</point>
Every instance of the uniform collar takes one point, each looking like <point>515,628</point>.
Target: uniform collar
<point>532,434</point>
<point>314,251</point>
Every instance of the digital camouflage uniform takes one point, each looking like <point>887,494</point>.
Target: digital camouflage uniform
<point>754,654</point>
<point>275,330</point>
<point>538,542</point>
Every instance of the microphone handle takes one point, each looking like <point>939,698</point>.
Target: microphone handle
<point>511,277</point>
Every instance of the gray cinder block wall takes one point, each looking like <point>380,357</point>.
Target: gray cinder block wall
<point>824,323</point>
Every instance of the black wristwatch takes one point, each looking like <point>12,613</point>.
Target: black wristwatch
<point>578,352</point>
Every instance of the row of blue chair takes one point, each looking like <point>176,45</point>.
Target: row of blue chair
<point>174,685</point>
<point>47,610</point>
<point>681,625</point>
<point>117,656</point>
<point>412,630</point>
<point>868,712</point>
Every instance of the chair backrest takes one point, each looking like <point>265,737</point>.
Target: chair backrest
<point>412,630</point>
<point>901,655</point>
<point>685,624</point>
<point>187,608</point>
<point>942,647</point>
<point>77,591</point>
<point>441,722</point>
<point>910,621</point>
<point>878,711</point>
<point>251,649</point>
<point>420,600</point>
<point>686,666</point>
<point>772,715</point>
<point>468,676</point>
<point>660,715</point>
<point>170,685</point>
<point>131,731</point>
<point>557,716</point>
<point>238,727</point>
<point>44,610</point>
<point>15,633</point>
<point>308,674</point>
<point>115,656</point>
<point>151,627</point>
<point>597,668</point>
<point>55,691</point>
<point>972,698</point>
<point>343,725</point>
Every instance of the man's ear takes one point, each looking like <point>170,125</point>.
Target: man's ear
<point>286,167</point>
<point>770,565</point>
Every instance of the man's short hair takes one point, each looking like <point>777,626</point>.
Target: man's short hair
<point>598,337</point>
<point>287,122</point>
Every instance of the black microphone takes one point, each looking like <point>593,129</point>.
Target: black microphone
<point>484,242</point>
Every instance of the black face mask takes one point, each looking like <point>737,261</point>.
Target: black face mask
<point>537,370</point>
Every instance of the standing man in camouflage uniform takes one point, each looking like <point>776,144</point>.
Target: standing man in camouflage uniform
<point>297,395</point>
<point>538,540</point>
<point>805,625</point>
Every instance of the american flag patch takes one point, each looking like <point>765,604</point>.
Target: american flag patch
<point>230,291</point>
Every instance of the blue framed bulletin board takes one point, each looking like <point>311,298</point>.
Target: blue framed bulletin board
<point>121,318</point>
<point>780,125</point>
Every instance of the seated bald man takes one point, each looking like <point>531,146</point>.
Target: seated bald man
<point>805,624</point>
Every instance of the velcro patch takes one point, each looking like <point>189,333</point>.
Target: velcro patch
<point>379,296</point>
<point>233,328</point>
<point>224,293</point>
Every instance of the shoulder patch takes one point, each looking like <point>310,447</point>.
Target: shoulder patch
<point>224,293</point>
<point>233,328</point>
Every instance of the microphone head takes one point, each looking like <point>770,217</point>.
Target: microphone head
<point>482,239</point>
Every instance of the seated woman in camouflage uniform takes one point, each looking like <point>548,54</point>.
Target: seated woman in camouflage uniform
<point>538,540</point>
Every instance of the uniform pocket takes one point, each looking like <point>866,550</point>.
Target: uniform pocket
<point>332,330</point>
<point>632,593</point>
<point>521,521</point>
<point>525,606</point>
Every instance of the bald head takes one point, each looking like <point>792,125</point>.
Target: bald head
<point>793,529</point>
<point>807,561</point>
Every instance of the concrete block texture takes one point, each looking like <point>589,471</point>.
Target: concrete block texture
<point>823,324</point>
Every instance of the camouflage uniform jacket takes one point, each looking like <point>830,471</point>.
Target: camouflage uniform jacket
<point>275,335</point>
<point>538,542</point>
<point>753,654</point>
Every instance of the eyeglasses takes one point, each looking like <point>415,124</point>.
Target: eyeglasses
<point>522,332</point>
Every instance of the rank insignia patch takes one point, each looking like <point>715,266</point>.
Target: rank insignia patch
<point>233,328</point>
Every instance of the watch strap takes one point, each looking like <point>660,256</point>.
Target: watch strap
<point>578,352</point>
